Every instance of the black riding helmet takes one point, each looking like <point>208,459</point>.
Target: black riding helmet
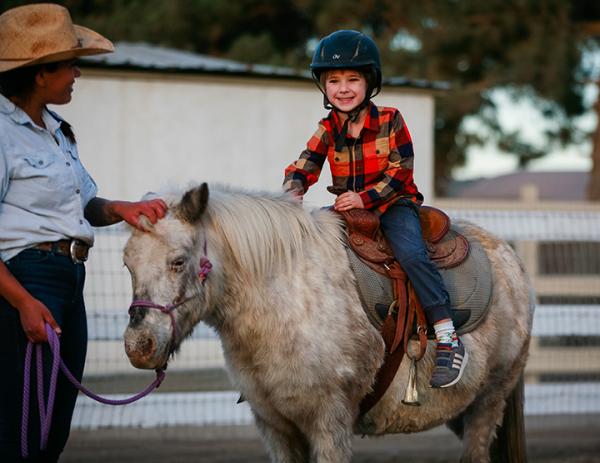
<point>347,49</point>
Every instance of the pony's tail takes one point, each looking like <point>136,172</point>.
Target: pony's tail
<point>509,445</point>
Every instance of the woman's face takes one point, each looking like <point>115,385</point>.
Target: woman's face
<point>345,88</point>
<point>58,81</point>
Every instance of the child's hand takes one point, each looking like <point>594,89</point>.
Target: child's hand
<point>348,200</point>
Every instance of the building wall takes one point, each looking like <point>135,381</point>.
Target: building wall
<point>143,131</point>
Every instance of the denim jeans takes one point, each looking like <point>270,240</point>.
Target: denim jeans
<point>401,226</point>
<point>58,283</point>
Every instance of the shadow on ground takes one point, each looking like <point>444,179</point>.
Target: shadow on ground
<point>550,439</point>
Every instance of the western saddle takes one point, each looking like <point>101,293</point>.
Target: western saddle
<point>367,241</point>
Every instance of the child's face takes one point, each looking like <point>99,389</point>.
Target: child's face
<point>345,88</point>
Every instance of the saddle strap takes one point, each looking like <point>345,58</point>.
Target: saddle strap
<point>396,334</point>
<point>388,370</point>
<point>415,311</point>
<point>397,328</point>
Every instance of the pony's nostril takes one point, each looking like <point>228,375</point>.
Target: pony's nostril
<point>136,315</point>
<point>147,347</point>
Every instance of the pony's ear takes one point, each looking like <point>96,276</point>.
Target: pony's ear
<point>193,204</point>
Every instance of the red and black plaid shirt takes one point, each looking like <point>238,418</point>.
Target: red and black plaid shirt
<point>378,164</point>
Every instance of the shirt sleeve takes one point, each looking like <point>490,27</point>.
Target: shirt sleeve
<point>398,177</point>
<point>303,173</point>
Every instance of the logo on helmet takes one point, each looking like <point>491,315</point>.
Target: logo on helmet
<point>336,56</point>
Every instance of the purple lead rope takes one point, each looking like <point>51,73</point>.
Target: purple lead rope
<point>47,409</point>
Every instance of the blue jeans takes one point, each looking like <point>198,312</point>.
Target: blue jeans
<point>58,283</point>
<point>401,226</point>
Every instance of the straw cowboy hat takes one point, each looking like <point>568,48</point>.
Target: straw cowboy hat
<point>44,33</point>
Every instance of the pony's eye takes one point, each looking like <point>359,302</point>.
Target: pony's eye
<point>177,264</point>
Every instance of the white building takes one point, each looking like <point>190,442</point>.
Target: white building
<point>146,117</point>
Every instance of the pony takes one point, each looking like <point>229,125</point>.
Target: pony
<point>273,280</point>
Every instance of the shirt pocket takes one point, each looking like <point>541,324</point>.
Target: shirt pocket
<point>380,153</point>
<point>39,160</point>
<point>38,164</point>
<point>339,162</point>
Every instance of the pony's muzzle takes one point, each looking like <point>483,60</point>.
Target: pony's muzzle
<point>141,350</point>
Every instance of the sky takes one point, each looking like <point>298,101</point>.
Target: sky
<point>487,161</point>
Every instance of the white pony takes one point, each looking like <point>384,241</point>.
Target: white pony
<point>298,345</point>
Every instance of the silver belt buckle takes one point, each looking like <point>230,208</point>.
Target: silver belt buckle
<point>72,251</point>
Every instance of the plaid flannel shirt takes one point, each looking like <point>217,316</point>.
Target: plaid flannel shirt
<point>378,164</point>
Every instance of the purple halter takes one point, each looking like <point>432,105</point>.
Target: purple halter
<point>205,268</point>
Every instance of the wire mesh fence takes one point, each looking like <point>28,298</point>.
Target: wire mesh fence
<point>561,250</point>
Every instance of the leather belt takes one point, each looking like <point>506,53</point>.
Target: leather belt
<point>77,250</point>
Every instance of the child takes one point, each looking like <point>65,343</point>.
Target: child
<point>371,156</point>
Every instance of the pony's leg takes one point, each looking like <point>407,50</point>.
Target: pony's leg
<point>330,436</point>
<point>288,446</point>
<point>480,421</point>
<point>485,415</point>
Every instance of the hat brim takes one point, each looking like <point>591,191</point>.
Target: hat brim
<point>90,43</point>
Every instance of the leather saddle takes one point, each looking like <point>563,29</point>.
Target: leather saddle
<point>446,248</point>
<point>367,240</point>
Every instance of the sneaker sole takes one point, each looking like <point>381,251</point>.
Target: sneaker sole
<point>462,368</point>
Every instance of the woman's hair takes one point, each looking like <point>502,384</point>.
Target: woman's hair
<point>20,83</point>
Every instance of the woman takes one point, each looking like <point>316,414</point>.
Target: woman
<point>48,205</point>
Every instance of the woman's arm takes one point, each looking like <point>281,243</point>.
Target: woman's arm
<point>101,212</point>
<point>33,314</point>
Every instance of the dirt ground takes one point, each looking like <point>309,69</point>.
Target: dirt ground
<point>554,439</point>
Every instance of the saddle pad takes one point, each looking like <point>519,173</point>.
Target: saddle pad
<point>469,286</point>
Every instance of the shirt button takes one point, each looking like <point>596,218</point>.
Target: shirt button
<point>68,163</point>
<point>377,151</point>
<point>40,162</point>
<point>77,190</point>
<point>80,222</point>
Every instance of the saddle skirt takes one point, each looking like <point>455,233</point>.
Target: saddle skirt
<point>464,267</point>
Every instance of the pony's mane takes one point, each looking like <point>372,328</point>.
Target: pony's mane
<point>265,232</point>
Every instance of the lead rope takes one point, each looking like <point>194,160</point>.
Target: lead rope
<point>46,409</point>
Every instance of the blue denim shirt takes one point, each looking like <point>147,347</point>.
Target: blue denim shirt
<point>44,188</point>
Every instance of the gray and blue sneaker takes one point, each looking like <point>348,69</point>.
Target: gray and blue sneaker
<point>450,363</point>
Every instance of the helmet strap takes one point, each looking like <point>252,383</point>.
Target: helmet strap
<point>340,138</point>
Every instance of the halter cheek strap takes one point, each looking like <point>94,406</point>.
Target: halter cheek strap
<point>205,268</point>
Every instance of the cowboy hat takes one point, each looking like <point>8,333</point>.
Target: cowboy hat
<point>44,33</point>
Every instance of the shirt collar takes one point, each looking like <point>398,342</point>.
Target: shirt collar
<point>371,120</point>
<point>51,120</point>
<point>13,111</point>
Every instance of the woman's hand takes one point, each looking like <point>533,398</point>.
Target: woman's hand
<point>34,315</point>
<point>101,212</point>
<point>130,212</point>
<point>348,200</point>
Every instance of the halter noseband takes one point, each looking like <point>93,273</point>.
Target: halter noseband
<point>205,268</point>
